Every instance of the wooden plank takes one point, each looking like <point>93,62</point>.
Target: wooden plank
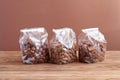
<point>11,68</point>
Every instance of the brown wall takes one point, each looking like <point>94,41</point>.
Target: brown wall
<point>78,14</point>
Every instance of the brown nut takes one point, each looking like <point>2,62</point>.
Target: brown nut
<point>60,55</point>
<point>33,55</point>
<point>89,54</point>
<point>91,48</point>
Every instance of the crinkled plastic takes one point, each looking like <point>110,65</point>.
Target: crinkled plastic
<point>92,45</point>
<point>63,46</point>
<point>34,45</point>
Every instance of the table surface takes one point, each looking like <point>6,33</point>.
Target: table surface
<point>12,68</point>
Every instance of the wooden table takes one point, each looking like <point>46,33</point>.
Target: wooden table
<point>11,68</point>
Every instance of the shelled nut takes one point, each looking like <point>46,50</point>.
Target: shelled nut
<point>32,55</point>
<point>88,53</point>
<point>63,55</point>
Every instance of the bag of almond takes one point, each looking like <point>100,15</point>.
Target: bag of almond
<point>63,46</point>
<point>34,45</point>
<point>92,46</point>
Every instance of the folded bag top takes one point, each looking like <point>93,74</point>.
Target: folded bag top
<point>65,36</point>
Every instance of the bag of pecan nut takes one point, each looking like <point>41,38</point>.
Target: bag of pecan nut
<point>92,46</point>
<point>34,45</point>
<point>63,46</point>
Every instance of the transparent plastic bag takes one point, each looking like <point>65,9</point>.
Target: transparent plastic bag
<point>92,46</point>
<point>34,45</point>
<point>63,46</point>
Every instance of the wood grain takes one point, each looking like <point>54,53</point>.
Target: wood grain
<point>11,68</point>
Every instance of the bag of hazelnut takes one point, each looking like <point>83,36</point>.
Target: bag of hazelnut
<point>92,45</point>
<point>34,45</point>
<point>63,46</point>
